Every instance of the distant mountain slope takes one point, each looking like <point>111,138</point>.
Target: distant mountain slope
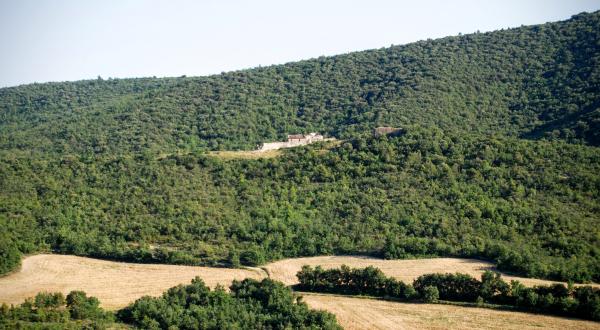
<point>538,82</point>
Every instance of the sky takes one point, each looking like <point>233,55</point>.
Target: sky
<point>60,40</point>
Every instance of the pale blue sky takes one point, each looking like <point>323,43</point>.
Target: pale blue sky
<point>57,40</point>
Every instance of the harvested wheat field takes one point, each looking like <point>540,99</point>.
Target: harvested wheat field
<point>405,270</point>
<point>363,313</point>
<point>116,284</point>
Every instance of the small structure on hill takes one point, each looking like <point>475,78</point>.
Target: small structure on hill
<point>294,140</point>
<point>296,137</point>
<point>386,130</point>
<point>310,138</point>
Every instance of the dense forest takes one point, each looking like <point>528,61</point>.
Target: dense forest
<point>499,158</point>
<point>582,301</point>
<point>540,81</point>
<point>531,206</point>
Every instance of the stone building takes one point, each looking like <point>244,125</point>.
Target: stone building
<point>294,140</point>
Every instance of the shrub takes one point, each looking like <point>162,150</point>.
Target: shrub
<point>430,294</point>
<point>83,307</point>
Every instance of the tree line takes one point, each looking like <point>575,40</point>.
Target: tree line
<point>558,299</point>
<point>55,311</point>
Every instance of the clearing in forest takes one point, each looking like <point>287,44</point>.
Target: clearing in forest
<point>244,154</point>
<point>326,145</point>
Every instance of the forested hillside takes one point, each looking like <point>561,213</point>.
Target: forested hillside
<point>538,81</point>
<point>532,206</point>
<point>499,158</point>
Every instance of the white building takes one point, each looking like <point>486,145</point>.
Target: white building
<point>294,140</point>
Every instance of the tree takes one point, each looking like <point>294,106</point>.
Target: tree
<point>49,300</point>
<point>83,307</point>
<point>493,288</point>
<point>430,294</point>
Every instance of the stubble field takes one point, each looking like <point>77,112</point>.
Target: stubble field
<point>118,284</point>
<point>405,270</point>
<point>359,313</point>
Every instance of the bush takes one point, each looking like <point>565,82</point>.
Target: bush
<point>430,294</point>
<point>252,258</point>
<point>458,287</point>
<point>10,256</point>
<point>479,301</point>
<point>49,300</point>
<point>83,307</point>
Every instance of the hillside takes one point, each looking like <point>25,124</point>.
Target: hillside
<point>499,159</point>
<point>538,82</point>
<point>531,206</point>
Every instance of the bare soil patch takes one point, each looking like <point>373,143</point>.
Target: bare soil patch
<point>326,145</point>
<point>252,154</point>
<point>357,313</point>
<point>116,284</point>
